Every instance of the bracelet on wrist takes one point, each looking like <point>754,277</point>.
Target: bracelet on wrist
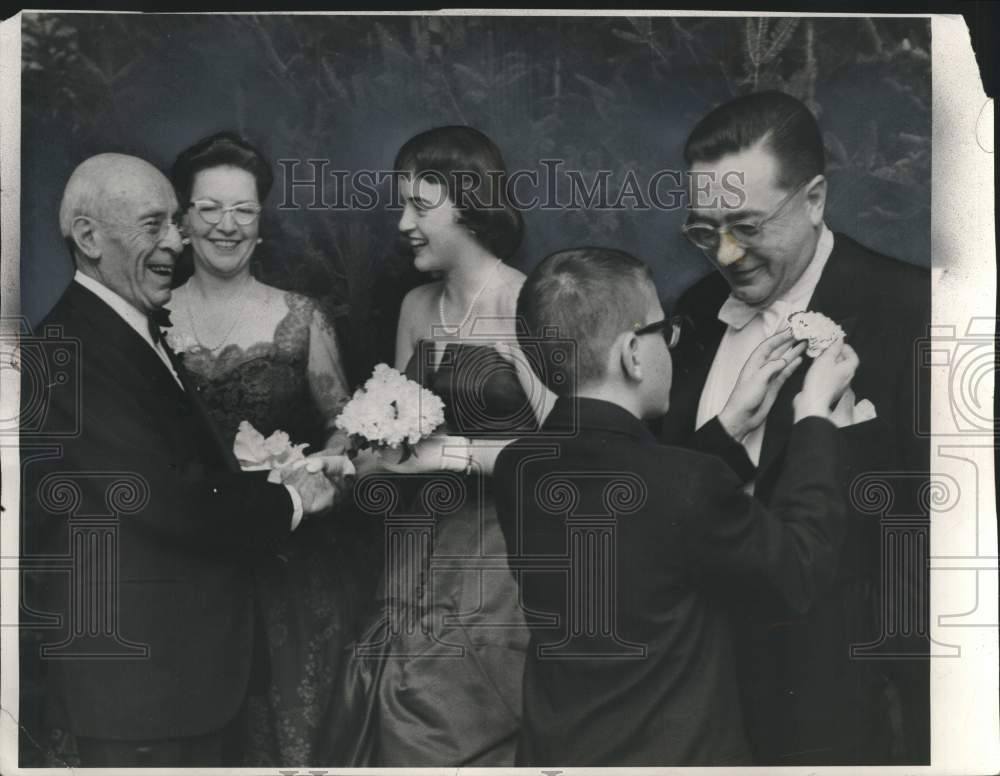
<point>452,459</point>
<point>468,456</point>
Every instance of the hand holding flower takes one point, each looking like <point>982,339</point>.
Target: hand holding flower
<point>257,453</point>
<point>390,412</point>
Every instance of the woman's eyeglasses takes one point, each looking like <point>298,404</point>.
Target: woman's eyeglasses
<point>211,212</point>
<point>668,328</point>
<point>745,233</point>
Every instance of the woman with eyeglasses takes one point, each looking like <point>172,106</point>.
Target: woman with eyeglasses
<point>270,357</point>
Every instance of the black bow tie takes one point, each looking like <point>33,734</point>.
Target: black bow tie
<point>157,320</point>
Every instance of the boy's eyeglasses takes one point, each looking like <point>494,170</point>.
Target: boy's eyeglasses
<point>669,328</point>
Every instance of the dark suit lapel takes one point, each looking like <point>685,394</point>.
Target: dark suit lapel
<point>140,366</point>
<point>689,384</point>
<point>701,334</point>
<point>115,336</point>
<point>835,298</point>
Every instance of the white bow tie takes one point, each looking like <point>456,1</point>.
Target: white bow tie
<point>737,314</point>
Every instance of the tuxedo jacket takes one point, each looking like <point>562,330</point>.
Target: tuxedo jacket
<point>143,533</point>
<point>807,701</point>
<point>625,551</point>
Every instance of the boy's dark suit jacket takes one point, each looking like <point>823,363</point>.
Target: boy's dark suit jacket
<point>184,547</point>
<point>686,536</point>
<point>806,700</point>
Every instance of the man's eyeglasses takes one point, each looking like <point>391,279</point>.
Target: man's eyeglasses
<point>669,328</point>
<point>211,212</point>
<point>745,233</point>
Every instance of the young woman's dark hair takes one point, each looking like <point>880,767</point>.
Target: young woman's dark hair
<point>472,170</point>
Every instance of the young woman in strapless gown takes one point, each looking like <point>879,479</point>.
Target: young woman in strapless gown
<point>436,678</point>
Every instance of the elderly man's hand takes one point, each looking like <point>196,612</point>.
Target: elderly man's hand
<point>315,490</point>
<point>318,480</point>
<point>336,468</point>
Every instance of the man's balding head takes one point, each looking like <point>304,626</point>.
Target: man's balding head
<point>117,216</point>
<point>99,182</point>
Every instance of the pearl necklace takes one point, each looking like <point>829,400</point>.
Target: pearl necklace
<point>458,329</point>
<point>239,316</point>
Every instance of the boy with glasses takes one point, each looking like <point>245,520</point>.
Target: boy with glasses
<point>626,550</point>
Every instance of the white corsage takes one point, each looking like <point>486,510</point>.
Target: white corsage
<point>390,412</point>
<point>181,343</point>
<point>820,331</point>
<point>276,453</point>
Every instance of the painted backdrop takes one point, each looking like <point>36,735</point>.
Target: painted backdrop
<point>591,94</point>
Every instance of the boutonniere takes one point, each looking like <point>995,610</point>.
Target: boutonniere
<point>864,410</point>
<point>818,330</point>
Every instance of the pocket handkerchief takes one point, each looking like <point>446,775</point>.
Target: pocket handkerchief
<point>863,410</point>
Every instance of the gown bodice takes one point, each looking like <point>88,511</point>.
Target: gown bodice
<point>482,394</point>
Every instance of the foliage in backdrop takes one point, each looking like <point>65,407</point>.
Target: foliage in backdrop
<point>616,94</point>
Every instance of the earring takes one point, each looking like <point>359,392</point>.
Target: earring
<point>260,240</point>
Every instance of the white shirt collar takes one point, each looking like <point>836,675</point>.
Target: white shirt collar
<point>132,315</point>
<point>737,313</point>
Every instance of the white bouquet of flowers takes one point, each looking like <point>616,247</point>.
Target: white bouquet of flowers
<point>390,412</point>
<point>275,454</point>
<point>820,331</point>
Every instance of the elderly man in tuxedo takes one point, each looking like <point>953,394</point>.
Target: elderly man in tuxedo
<point>628,550</point>
<point>758,195</point>
<point>153,646</point>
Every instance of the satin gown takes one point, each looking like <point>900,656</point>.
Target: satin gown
<point>435,680</point>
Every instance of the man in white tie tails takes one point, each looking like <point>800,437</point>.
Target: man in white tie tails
<point>758,198</point>
<point>153,650</point>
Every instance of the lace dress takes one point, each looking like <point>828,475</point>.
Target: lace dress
<point>310,592</point>
<point>435,679</point>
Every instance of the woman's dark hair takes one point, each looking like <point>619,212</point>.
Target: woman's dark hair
<point>790,129</point>
<point>469,165</point>
<point>219,150</point>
